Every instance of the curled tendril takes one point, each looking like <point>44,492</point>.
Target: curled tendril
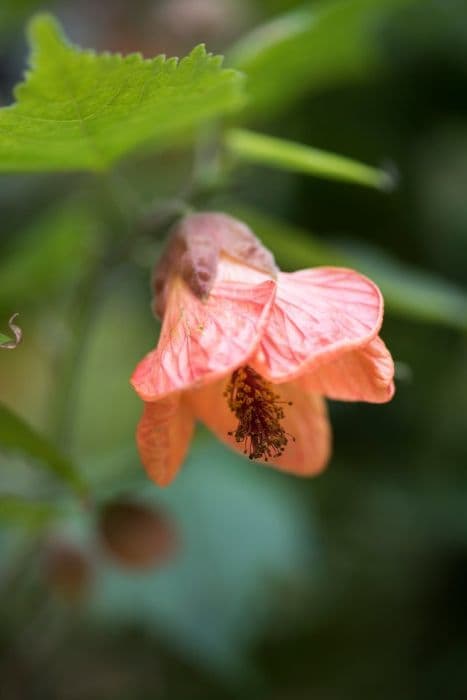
<point>17,332</point>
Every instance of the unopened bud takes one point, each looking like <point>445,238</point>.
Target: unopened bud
<point>135,535</point>
<point>67,570</point>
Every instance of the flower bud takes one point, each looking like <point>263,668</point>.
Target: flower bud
<point>67,570</point>
<point>135,535</point>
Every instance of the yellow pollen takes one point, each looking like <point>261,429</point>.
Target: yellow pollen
<point>259,412</point>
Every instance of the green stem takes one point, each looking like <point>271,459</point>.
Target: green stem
<point>259,149</point>
<point>83,307</point>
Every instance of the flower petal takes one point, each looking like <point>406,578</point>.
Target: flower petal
<point>317,315</point>
<point>163,436</point>
<point>365,374</point>
<point>202,340</point>
<point>306,421</point>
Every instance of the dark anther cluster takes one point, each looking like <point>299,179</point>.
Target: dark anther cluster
<point>259,412</point>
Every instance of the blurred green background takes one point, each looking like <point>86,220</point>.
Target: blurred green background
<point>347,586</point>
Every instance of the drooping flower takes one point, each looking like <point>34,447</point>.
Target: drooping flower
<point>251,351</point>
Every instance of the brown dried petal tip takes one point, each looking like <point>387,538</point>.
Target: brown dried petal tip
<point>193,251</point>
<point>136,535</point>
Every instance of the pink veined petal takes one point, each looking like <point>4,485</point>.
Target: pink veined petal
<point>317,315</point>
<point>366,374</point>
<point>202,340</point>
<point>163,436</point>
<point>306,421</point>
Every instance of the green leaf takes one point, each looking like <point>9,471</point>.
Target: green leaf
<point>4,339</point>
<point>256,148</point>
<point>16,435</point>
<point>312,48</point>
<point>79,110</point>
<point>15,510</point>
<point>408,292</point>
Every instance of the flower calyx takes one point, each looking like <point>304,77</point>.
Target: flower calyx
<point>195,246</point>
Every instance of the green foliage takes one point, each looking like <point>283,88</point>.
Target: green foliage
<point>78,110</point>
<point>11,7</point>
<point>264,150</point>
<point>17,436</point>
<point>50,253</point>
<point>15,510</point>
<point>408,292</point>
<point>313,47</point>
<point>13,11</point>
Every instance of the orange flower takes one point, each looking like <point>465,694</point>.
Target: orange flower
<point>250,351</point>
